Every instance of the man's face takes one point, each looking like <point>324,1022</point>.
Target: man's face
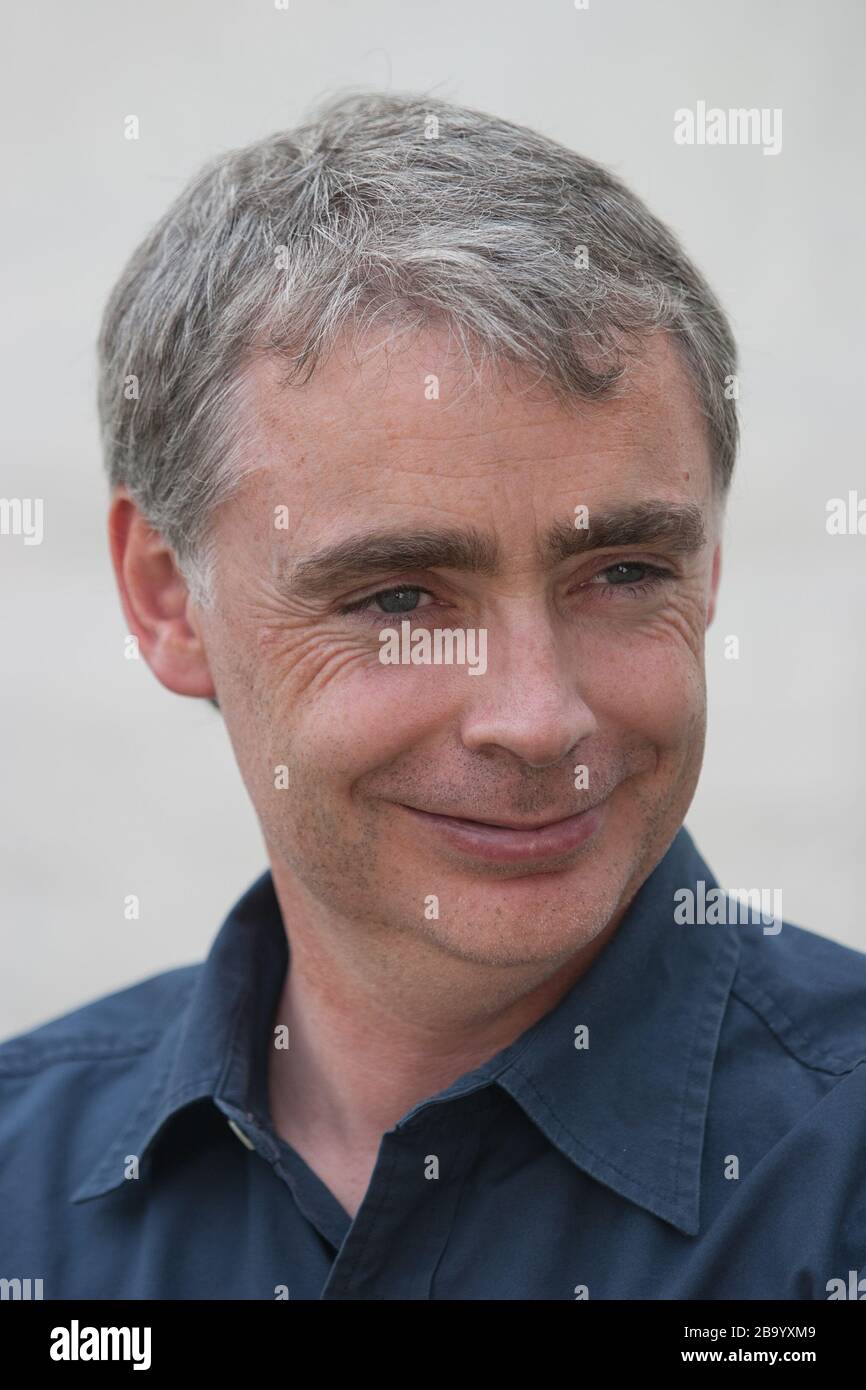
<point>594,656</point>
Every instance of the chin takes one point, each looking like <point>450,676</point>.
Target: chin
<point>526,920</point>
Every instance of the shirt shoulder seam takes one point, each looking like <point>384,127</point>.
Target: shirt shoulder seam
<point>786,1031</point>
<point>36,1058</point>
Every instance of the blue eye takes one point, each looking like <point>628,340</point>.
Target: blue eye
<point>403,598</point>
<point>632,577</point>
<point>635,577</point>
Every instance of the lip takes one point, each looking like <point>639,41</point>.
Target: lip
<point>513,844</point>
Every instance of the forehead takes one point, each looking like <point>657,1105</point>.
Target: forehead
<point>413,411</point>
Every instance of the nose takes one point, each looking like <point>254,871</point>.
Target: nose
<point>528,700</point>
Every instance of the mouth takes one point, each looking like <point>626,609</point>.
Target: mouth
<point>511,841</point>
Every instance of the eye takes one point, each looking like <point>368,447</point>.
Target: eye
<point>632,576</point>
<point>403,598</point>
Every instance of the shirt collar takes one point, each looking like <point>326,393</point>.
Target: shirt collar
<point>629,1109</point>
<point>217,1047</point>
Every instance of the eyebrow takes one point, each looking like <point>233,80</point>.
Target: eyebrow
<point>678,527</point>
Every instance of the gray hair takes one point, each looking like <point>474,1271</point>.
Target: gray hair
<point>399,208</point>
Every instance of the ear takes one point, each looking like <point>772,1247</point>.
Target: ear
<point>714,583</point>
<point>156,601</point>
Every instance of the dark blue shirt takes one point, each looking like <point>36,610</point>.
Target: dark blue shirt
<point>708,1143</point>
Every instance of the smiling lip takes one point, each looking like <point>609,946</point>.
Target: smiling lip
<point>511,842</point>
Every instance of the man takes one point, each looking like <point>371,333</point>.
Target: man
<point>420,430</point>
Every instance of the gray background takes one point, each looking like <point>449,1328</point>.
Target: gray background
<point>113,786</point>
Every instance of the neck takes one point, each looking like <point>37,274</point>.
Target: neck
<point>379,1021</point>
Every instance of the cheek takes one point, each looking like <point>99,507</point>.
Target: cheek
<point>373,714</point>
<point>334,711</point>
<point>651,685</point>
<point>299,664</point>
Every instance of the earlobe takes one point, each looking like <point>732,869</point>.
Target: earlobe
<point>155,598</point>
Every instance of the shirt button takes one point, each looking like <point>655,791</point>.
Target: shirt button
<point>239,1132</point>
